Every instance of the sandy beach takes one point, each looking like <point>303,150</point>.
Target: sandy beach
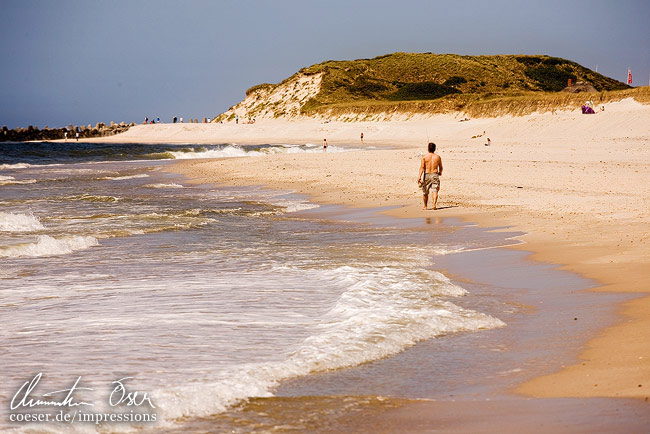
<point>212,217</point>
<point>575,184</point>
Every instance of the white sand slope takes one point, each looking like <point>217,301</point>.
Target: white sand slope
<point>625,119</point>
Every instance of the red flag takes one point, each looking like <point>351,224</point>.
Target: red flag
<point>629,76</point>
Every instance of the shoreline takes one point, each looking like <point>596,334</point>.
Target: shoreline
<point>437,381</point>
<point>594,191</point>
<point>612,363</point>
<point>544,246</point>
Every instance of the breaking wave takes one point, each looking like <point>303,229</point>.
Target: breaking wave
<point>10,222</point>
<point>49,246</point>
<point>380,314</point>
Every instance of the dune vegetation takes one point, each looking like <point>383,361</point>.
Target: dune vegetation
<point>415,83</point>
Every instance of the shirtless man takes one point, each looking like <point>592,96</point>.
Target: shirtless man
<point>431,165</point>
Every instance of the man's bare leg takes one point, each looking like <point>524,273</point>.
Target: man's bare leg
<point>425,199</point>
<point>434,198</point>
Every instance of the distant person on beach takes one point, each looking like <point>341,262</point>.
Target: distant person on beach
<point>362,138</point>
<point>65,135</point>
<point>181,119</point>
<point>77,136</point>
<point>431,167</point>
<point>175,119</point>
<point>236,119</point>
<point>324,145</point>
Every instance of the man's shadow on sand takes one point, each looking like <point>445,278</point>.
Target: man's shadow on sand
<point>441,207</point>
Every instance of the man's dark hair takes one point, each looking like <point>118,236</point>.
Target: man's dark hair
<point>432,147</point>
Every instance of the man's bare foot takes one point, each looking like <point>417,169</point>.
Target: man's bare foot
<point>424,208</point>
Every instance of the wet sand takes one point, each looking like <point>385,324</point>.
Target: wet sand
<point>469,382</point>
<point>463,382</point>
<point>371,414</point>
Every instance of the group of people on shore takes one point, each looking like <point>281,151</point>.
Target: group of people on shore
<point>325,143</point>
<point>249,120</point>
<point>65,135</point>
<point>175,120</point>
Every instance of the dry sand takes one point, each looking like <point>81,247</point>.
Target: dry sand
<point>577,184</point>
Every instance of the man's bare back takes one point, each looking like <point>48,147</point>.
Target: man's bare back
<point>432,163</point>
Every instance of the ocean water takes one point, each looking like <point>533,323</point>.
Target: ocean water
<point>202,296</point>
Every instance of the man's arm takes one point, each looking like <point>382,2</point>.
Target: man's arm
<point>421,170</point>
<point>440,167</point>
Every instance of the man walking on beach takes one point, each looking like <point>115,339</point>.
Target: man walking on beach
<point>431,166</point>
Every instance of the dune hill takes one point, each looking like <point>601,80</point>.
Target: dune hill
<point>415,83</point>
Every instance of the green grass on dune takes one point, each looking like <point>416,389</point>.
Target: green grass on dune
<point>417,82</point>
<point>484,105</point>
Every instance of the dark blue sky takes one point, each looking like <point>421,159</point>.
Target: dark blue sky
<point>84,62</point>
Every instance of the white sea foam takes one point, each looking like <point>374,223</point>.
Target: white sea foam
<point>68,171</point>
<point>237,151</point>
<point>302,206</point>
<point>294,205</point>
<point>94,198</point>
<point>10,180</point>
<point>228,151</point>
<point>170,185</point>
<point>381,313</point>
<point>122,178</point>
<point>448,250</point>
<point>48,246</point>
<point>282,200</point>
<point>10,222</point>
<point>14,166</point>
